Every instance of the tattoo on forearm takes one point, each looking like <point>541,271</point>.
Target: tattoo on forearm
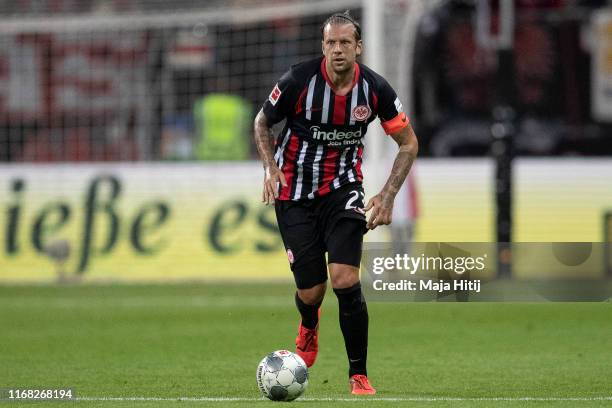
<point>264,140</point>
<point>401,167</point>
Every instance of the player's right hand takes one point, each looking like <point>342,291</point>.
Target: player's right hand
<point>273,176</point>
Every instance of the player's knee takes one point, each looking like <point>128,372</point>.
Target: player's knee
<point>343,276</point>
<point>314,295</point>
<point>344,281</point>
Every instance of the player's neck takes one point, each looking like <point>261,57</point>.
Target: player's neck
<point>343,81</point>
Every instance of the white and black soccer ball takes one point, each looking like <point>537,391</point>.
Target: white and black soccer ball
<point>282,376</point>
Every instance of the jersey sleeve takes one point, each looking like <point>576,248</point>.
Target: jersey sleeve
<point>281,100</point>
<point>390,110</point>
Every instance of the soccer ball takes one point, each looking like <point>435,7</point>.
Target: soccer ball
<point>282,376</point>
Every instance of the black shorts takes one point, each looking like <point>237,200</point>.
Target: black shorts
<point>332,224</point>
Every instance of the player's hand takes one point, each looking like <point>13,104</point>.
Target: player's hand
<point>381,211</point>
<point>273,176</point>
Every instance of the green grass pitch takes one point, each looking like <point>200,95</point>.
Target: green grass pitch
<point>204,341</point>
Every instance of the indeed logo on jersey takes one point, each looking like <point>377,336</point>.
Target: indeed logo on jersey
<point>319,134</point>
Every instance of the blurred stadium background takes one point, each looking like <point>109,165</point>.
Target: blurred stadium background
<point>126,143</point>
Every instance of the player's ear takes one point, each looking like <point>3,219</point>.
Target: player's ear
<point>359,48</point>
<point>323,47</point>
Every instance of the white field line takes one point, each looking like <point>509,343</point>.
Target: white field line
<point>355,399</point>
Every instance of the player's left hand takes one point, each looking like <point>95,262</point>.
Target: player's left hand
<point>381,213</point>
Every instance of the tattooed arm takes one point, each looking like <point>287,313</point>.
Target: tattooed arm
<point>382,203</point>
<point>273,175</point>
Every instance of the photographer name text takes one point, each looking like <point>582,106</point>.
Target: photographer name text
<point>429,285</point>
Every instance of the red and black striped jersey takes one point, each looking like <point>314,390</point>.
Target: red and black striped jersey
<point>321,146</point>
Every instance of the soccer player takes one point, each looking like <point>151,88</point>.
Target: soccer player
<point>313,176</point>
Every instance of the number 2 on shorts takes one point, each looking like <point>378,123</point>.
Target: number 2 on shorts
<point>354,197</point>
